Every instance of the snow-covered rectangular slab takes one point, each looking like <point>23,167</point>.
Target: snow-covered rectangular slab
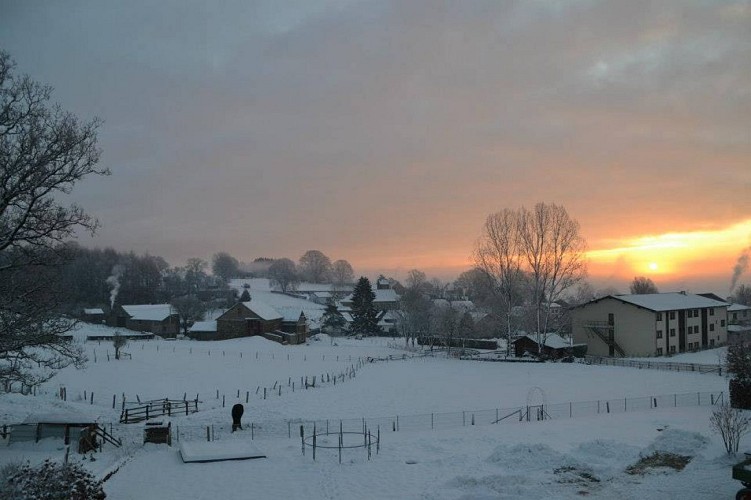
<point>216,451</point>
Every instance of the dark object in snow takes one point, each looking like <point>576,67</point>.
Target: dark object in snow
<point>743,474</point>
<point>237,413</point>
<point>658,459</point>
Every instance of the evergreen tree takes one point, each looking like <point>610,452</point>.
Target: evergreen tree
<point>364,315</point>
<point>332,322</point>
<point>245,297</point>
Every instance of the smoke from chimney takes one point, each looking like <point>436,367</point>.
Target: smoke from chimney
<point>740,267</point>
<point>114,282</point>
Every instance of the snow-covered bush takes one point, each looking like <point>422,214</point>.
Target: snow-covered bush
<point>49,481</point>
<point>731,424</point>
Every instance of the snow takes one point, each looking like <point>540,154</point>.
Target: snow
<point>714,356</point>
<point>149,312</point>
<point>552,458</point>
<point>552,340</point>
<point>215,451</point>
<point>93,311</point>
<point>670,301</point>
<point>203,326</point>
<point>263,310</point>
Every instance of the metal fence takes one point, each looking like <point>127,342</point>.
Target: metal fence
<point>656,365</point>
<point>286,428</point>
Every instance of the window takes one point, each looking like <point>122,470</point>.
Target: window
<point>672,349</point>
<point>735,316</point>
<point>659,334</point>
<point>696,313</point>
<point>659,316</point>
<point>711,342</point>
<point>711,327</point>
<point>722,322</point>
<point>672,332</point>
<point>672,314</point>
<point>659,351</point>
<point>689,313</point>
<point>711,311</point>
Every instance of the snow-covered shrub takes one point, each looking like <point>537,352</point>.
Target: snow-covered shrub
<point>731,424</point>
<point>49,481</point>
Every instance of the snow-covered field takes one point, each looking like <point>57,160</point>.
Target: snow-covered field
<point>560,457</point>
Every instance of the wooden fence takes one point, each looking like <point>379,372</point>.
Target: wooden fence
<point>158,408</point>
<point>656,365</point>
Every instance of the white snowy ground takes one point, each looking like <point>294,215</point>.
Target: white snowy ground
<point>518,460</point>
<point>706,357</point>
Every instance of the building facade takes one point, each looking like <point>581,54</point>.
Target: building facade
<point>656,324</point>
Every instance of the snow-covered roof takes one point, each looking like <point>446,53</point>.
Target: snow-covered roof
<point>552,340</point>
<point>95,310</point>
<point>388,318</point>
<point>290,307</point>
<point>669,301</point>
<point>387,295</point>
<point>263,310</point>
<point>203,326</point>
<point>149,312</point>
<point>738,307</point>
<point>478,315</point>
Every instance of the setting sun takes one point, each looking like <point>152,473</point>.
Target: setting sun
<point>672,254</point>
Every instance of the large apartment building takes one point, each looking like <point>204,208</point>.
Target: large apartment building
<point>655,324</point>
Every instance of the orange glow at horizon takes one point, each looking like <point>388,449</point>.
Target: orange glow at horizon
<point>671,254</point>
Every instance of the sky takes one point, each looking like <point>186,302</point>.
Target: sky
<point>385,133</point>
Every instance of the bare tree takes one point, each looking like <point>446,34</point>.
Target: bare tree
<point>731,424</point>
<point>498,254</point>
<point>44,152</point>
<point>342,273</point>
<point>118,342</point>
<point>641,285</point>
<point>414,313</point>
<point>536,253</point>
<point>554,257</point>
<point>195,274</point>
<point>225,266</point>
<point>283,274</point>
<point>189,309</point>
<point>315,267</point>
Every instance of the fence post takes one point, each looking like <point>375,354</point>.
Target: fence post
<point>570,409</point>
<point>431,421</point>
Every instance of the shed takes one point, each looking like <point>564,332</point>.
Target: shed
<point>554,346</point>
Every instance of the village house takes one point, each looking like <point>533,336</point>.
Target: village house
<point>247,319</point>
<point>655,324</point>
<point>385,299</point>
<point>93,315</point>
<point>159,319</point>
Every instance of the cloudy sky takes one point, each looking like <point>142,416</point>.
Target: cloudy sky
<point>385,132</point>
